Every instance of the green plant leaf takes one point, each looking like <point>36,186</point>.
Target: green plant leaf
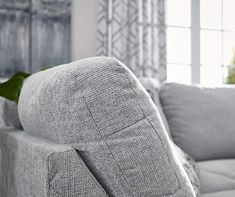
<point>20,74</point>
<point>231,75</point>
<point>45,68</point>
<point>11,88</point>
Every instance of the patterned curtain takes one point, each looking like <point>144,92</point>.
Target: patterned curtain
<point>133,31</point>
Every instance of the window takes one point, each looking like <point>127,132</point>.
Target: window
<point>200,40</point>
<point>178,41</point>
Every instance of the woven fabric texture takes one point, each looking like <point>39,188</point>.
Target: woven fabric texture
<point>30,166</point>
<point>9,114</point>
<point>190,166</point>
<point>201,119</point>
<point>97,106</point>
<point>221,171</point>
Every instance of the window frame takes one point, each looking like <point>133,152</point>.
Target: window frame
<point>195,42</point>
<point>195,32</point>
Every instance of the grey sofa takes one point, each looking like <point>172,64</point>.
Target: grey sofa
<point>201,122</point>
<point>53,157</point>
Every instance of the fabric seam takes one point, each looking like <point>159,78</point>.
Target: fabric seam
<point>179,187</point>
<point>107,146</point>
<point>232,178</point>
<point>48,167</point>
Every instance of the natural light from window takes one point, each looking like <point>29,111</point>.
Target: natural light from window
<point>214,29</point>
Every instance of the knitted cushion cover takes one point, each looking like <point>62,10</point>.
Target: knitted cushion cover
<point>97,106</point>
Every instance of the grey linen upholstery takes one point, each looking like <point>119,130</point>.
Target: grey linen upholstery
<point>217,175</point>
<point>9,114</point>
<point>152,87</point>
<point>190,166</point>
<point>201,120</point>
<point>97,106</point>
<point>230,193</point>
<point>31,166</point>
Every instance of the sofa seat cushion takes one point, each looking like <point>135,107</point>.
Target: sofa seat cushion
<point>229,193</point>
<point>97,106</point>
<point>201,119</point>
<point>217,175</point>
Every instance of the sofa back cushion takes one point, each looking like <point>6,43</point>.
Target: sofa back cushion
<point>152,86</point>
<point>190,166</point>
<point>98,106</point>
<point>201,120</point>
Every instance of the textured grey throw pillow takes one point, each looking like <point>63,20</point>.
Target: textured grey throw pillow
<point>201,120</point>
<point>191,168</point>
<point>98,106</point>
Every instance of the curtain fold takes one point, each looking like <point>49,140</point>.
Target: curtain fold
<point>134,32</point>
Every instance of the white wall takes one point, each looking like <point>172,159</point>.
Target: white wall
<point>83,22</point>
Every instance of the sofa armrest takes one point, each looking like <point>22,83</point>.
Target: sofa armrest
<point>31,166</point>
